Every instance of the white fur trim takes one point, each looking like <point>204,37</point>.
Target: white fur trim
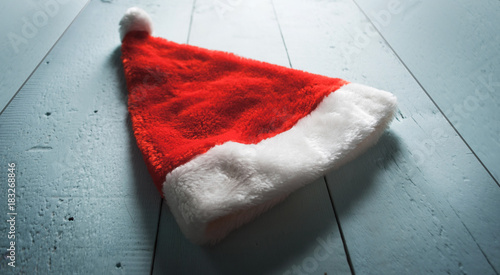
<point>135,19</point>
<point>233,183</point>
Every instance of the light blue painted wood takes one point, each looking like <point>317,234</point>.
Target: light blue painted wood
<point>452,49</point>
<point>28,30</point>
<point>299,235</point>
<point>85,202</point>
<point>419,202</point>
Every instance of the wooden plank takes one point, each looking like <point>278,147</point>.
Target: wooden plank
<point>86,203</point>
<point>452,49</point>
<point>29,30</point>
<point>419,202</point>
<point>299,235</point>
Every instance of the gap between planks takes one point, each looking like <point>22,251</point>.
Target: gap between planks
<point>346,249</point>
<point>281,33</point>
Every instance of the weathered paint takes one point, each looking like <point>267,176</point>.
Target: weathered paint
<point>418,202</point>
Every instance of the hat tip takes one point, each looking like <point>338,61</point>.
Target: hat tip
<point>135,19</point>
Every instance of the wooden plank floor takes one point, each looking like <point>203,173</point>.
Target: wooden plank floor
<point>29,30</point>
<point>426,199</point>
<point>454,57</point>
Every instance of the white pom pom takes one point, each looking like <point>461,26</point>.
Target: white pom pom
<point>135,19</point>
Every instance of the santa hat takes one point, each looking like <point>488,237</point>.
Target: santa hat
<point>225,137</point>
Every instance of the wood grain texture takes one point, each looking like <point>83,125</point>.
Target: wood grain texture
<point>299,235</point>
<point>86,204</point>
<point>28,31</point>
<point>419,202</point>
<point>452,49</point>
